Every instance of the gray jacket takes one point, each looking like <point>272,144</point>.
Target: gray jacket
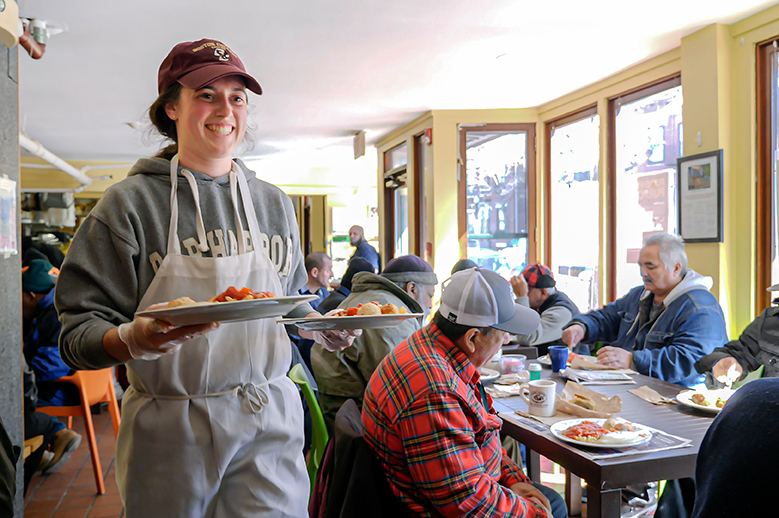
<point>758,345</point>
<point>119,246</point>
<point>346,373</point>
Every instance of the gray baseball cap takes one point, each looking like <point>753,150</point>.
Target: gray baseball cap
<point>481,298</point>
<point>775,287</point>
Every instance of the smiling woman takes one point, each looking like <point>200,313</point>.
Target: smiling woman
<point>210,410</point>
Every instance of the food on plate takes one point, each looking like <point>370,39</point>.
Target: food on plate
<point>181,301</point>
<point>612,432</point>
<point>232,294</point>
<point>370,309</point>
<point>700,399</point>
<point>583,401</point>
<point>720,402</point>
<point>586,431</point>
<point>612,424</point>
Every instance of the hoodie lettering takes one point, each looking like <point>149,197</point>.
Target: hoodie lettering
<point>277,248</point>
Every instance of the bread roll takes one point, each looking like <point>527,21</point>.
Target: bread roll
<point>181,301</point>
<point>371,308</point>
<point>583,401</point>
<point>389,309</point>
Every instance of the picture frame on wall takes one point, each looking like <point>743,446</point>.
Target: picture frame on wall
<point>699,197</point>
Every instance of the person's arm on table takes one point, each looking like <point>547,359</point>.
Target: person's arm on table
<point>697,334</point>
<point>447,466</point>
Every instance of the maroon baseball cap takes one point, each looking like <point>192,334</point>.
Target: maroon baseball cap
<point>538,276</point>
<point>194,64</point>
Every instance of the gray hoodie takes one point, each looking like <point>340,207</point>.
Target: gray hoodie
<point>119,246</point>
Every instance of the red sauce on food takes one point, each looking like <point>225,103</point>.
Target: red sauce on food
<point>585,429</point>
<point>236,294</point>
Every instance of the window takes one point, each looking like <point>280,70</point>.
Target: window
<point>573,208</point>
<point>396,202</point>
<point>420,201</point>
<point>767,159</point>
<point>496,202</point>
<point>645,140</point>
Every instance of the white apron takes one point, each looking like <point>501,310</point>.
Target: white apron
<point>215,429</point>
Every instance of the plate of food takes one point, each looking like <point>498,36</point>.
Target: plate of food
<point>370,315</point>
<point>488,374</point>
<point>233,305</point>
<point>703,399</point>
<point>601,433</point>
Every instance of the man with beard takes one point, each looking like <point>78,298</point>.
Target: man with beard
<point>363,248</point>
<point>407,282</point>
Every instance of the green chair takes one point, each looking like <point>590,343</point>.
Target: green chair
<point>319,432</point>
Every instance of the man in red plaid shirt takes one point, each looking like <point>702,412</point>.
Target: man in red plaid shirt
<point>429,420</point>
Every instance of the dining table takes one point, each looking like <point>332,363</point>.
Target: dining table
<point>607,477</point>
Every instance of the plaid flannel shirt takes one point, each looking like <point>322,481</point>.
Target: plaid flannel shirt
<point>424,418</point>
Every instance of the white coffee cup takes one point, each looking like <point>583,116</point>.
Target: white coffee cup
<point>540,397</point>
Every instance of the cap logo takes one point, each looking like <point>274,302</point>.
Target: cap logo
<point>222,54</point>
<point>452,318</point>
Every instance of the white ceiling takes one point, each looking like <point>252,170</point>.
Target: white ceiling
<point>331,67</point>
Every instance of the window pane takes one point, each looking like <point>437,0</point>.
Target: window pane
<point>496,205</point>
<point>401,221</point>
<point>395,157</point>
<point>575,210</point>
<point>775,155</point>
<point>648,144</point>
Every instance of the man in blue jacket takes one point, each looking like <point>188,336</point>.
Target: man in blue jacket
<point>363,248</point>
<point>662,328</point>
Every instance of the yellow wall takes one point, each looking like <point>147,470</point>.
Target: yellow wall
<point>717,65</point>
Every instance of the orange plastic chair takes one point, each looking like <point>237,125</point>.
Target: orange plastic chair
<point>94,387</point>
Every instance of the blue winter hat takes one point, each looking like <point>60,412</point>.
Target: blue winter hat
<point>38,277</point>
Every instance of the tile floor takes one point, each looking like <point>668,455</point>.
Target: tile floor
<point>70,492</point>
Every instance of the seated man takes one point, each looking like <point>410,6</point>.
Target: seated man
<point>536,288</point>
<point>356,265</point>
<point>659,329</point>
<point>319,268</point>
<point>430,422</point>
<point>408,282</point>
<point>756,346</point>
<point>738,455</point>
<point>41,342</point>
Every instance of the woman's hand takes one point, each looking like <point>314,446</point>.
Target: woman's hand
<point>333,340</point>
<point>148,338</point>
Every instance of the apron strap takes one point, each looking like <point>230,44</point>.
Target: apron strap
<point>254,395</point>
<point>174,247</point>
<point>201,231</point>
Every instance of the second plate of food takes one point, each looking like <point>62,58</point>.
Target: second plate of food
<point>355,322</point>
<point>601,433</point>
<point>702,399</point>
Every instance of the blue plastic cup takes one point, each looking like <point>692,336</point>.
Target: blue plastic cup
<point>558,355</point>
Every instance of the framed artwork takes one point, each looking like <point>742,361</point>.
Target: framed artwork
<point>699,185</point>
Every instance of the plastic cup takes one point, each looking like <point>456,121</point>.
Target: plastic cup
<point>558,355</point>
<point>512,363</point>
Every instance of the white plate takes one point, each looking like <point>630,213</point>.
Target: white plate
<point>233,311</point>
<point>626,439</point>
<point>488,374</point>
<point>685,397</point>
<point>355,322</point>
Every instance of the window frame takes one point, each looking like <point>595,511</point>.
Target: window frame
<point>549,127</point>
<point>462,181</point>
<point>627,97</point>
<point>764,171</point>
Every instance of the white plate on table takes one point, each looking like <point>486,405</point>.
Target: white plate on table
<point>544,360</point>
<point>488,374</point>
<point>355,322</point>
<point>233,311</point>
<point>685,397</point>
<point>611,440</point>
